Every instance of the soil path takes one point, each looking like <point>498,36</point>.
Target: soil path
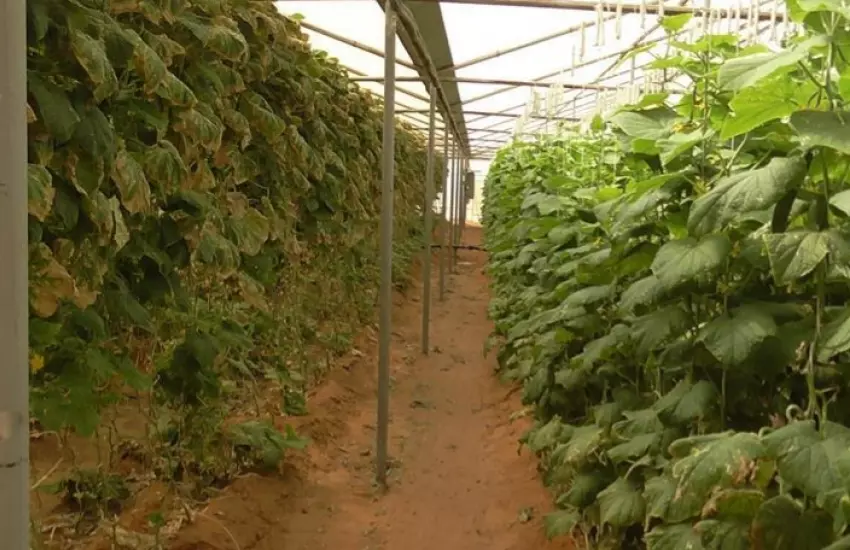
<point>457,483</point>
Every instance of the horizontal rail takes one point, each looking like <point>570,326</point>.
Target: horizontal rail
<point>497,81</point>
<point>586,5</point>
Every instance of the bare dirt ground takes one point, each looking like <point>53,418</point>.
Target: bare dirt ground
<point>457,480</point>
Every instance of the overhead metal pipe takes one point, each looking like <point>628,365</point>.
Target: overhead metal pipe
<point>386,248</point>
<point>14,307</point>
<point>353,43</point>
<point>490,81</point>
<point>585,5</point>
<point>429,229</point>
<point>408,109</point>
<point>491,114</point>
<point>518,47</point>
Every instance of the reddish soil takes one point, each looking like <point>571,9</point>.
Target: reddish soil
<point>457,483</point>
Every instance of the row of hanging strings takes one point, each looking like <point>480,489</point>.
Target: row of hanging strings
<point>549,103</point>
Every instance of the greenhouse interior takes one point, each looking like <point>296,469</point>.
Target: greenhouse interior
<point>405,274</point>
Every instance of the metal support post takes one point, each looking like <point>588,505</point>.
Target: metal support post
<point>443,228</point>
<point>456,201</point>
<point>452,193</point>
<point>386,253</point>
<point>14,371</point>
<point>463,201</point>
<point>429,228</point>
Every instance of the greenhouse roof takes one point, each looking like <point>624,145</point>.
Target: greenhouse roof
<point>516,68</point>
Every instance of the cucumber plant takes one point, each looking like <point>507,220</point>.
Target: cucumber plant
<point>671,289</point>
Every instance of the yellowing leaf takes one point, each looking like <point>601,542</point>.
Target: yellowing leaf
<point>129,177</point>
<point>91,54</point>
<point>40,192</point>
<point>200,129</point>
<point>50,282</point>
<point>122,235</point>
<point>249,226</point>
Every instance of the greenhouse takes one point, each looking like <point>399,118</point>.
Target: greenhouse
<point>404,274</point>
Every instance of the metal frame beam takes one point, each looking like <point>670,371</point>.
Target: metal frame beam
<point>353,43</point>
<point>518,47</point>
<point>588,5</point>
<point>488,114</point>
<point>490,81</point>
<point>417,47</point>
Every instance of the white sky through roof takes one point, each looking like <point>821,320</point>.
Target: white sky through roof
<point>476,30</point>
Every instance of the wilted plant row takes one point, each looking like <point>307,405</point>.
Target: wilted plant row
<point>203,200</point>
<point>672,287</point>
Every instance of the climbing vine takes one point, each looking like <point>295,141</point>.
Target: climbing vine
<point>203,212</point>
<point>671,289</point>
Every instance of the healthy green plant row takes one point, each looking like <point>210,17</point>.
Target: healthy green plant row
<point>203,211</point>
<point>672,290</point>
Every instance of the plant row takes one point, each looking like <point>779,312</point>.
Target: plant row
<point>671,287</point>
<point>203,211</point>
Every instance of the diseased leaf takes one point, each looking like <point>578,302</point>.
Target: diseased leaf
<point>129,177</point>
<point>249,226</point>
<point>50,282</point>
<point>724,462</point>
<point>163,166</point>
<point>40,192</point>
<point>91,54</point>
<point>122,235</point>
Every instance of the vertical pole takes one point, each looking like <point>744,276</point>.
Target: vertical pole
<point>453,206</point>
<point>14,371</point>
<point>387,162</point>
<point>443,221</point>
<point>429,229</point>
<point>461,203</point>
<point>463,200</point>
<point>457,194</point>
